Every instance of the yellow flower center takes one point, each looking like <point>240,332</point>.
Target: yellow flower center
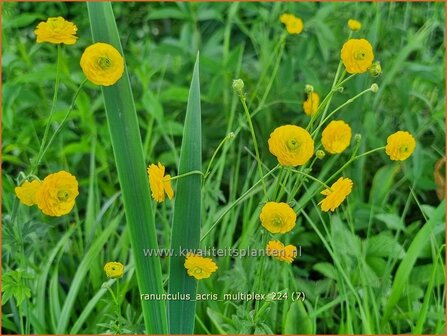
<point>104,62</point>
<point>197,270</point>
<point>292,144</point>
<point>62,195</point>
<point>404,149</point>
<point>277,221</point>
<point>360,55</point>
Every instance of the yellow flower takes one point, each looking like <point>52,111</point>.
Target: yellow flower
<point>354,25</point>
<point>336,137</point>
<point>114,269</point>
<point>102,64</point>
<point>357,55</point>
<point>292,145</point>
<point>400,146</point>
<point>56,30</point>
<point>277,217</point>
<point>311,104</point>
<point>159,182</point>
<point>294,25</point>
<point>57,195</point>
<point>199,267</point>
<point>27,192</point>
<point>336,194</point>
<point>277,250</point>
<point>285,18</point>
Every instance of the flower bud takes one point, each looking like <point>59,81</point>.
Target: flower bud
<point>238,86</point>
<point>374,88</point>
<point>231,135</point>
<point>375,69</point>
<point>354,25</point>
<point>320,154</point>
<point>308,89</point>
<point>357,137</point>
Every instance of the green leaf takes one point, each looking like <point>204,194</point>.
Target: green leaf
<point>128,151</point>
<point>297,320</point>
<point>187,210</point>
<point>14,285</point>
<point>392,221</point>
<point>403,272</point>
<point>382,184</point>
<point>327,269</point>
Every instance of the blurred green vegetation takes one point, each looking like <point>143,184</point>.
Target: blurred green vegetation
<point>369,238</point>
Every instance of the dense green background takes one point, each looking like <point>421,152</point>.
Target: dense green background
<point>370,236</point>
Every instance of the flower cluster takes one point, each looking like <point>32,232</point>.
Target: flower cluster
<point>54,196</point>
<point>294,25</point>
<point>101,63</point>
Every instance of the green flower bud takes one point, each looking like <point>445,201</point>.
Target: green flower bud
<point>375,69</point>
<point>374,88</point>
<point>320,154</point>
<point>238,86</point>
<point>308,89</point>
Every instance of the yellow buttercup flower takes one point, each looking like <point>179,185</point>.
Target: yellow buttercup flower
<point>277,250</point>
<point>311,104</point>
<point>294,25</point>
<point>292,145</point>
<point>357,55</point>
<point>336,137</point>
<point>199,267</point>
<point>285,18</point>
<point>336,194</point>
<point>159,182</point>
<point>27,192</point>
<point>114,269</point>
<point>57,195</point>
<point>102,64</point>
<point>277,217</point>
<point>354,25</point>
<point>400,146</point>
<point>56,30</point>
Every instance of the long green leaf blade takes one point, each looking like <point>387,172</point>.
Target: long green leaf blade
<point>405,267</point>
<point>186,220</point>
<point>128,151</point>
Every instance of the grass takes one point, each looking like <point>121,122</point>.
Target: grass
<point>377,265</point>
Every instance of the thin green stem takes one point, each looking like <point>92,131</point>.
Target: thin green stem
<point>192,172</point>
<point>228,137</point>
<point>352,159</point>
<point>282,189</point>
<point>346,80</point>
<point>264,74</point>
<point>118,301</point>
<point>275,71</point>
<point>258,285</point>
<point>56,132</point>
<point>349,101</point>
<point>278,182</point>
<point>371,151</point>
<point>236,202</point>
<point>310,177</point>
<point>50,117</point>
<point>255,143</point>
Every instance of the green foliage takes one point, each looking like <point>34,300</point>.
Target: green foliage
<point>14,284</point>
<point>377,265</point>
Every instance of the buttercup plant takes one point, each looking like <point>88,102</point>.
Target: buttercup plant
<point>282,166</point>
